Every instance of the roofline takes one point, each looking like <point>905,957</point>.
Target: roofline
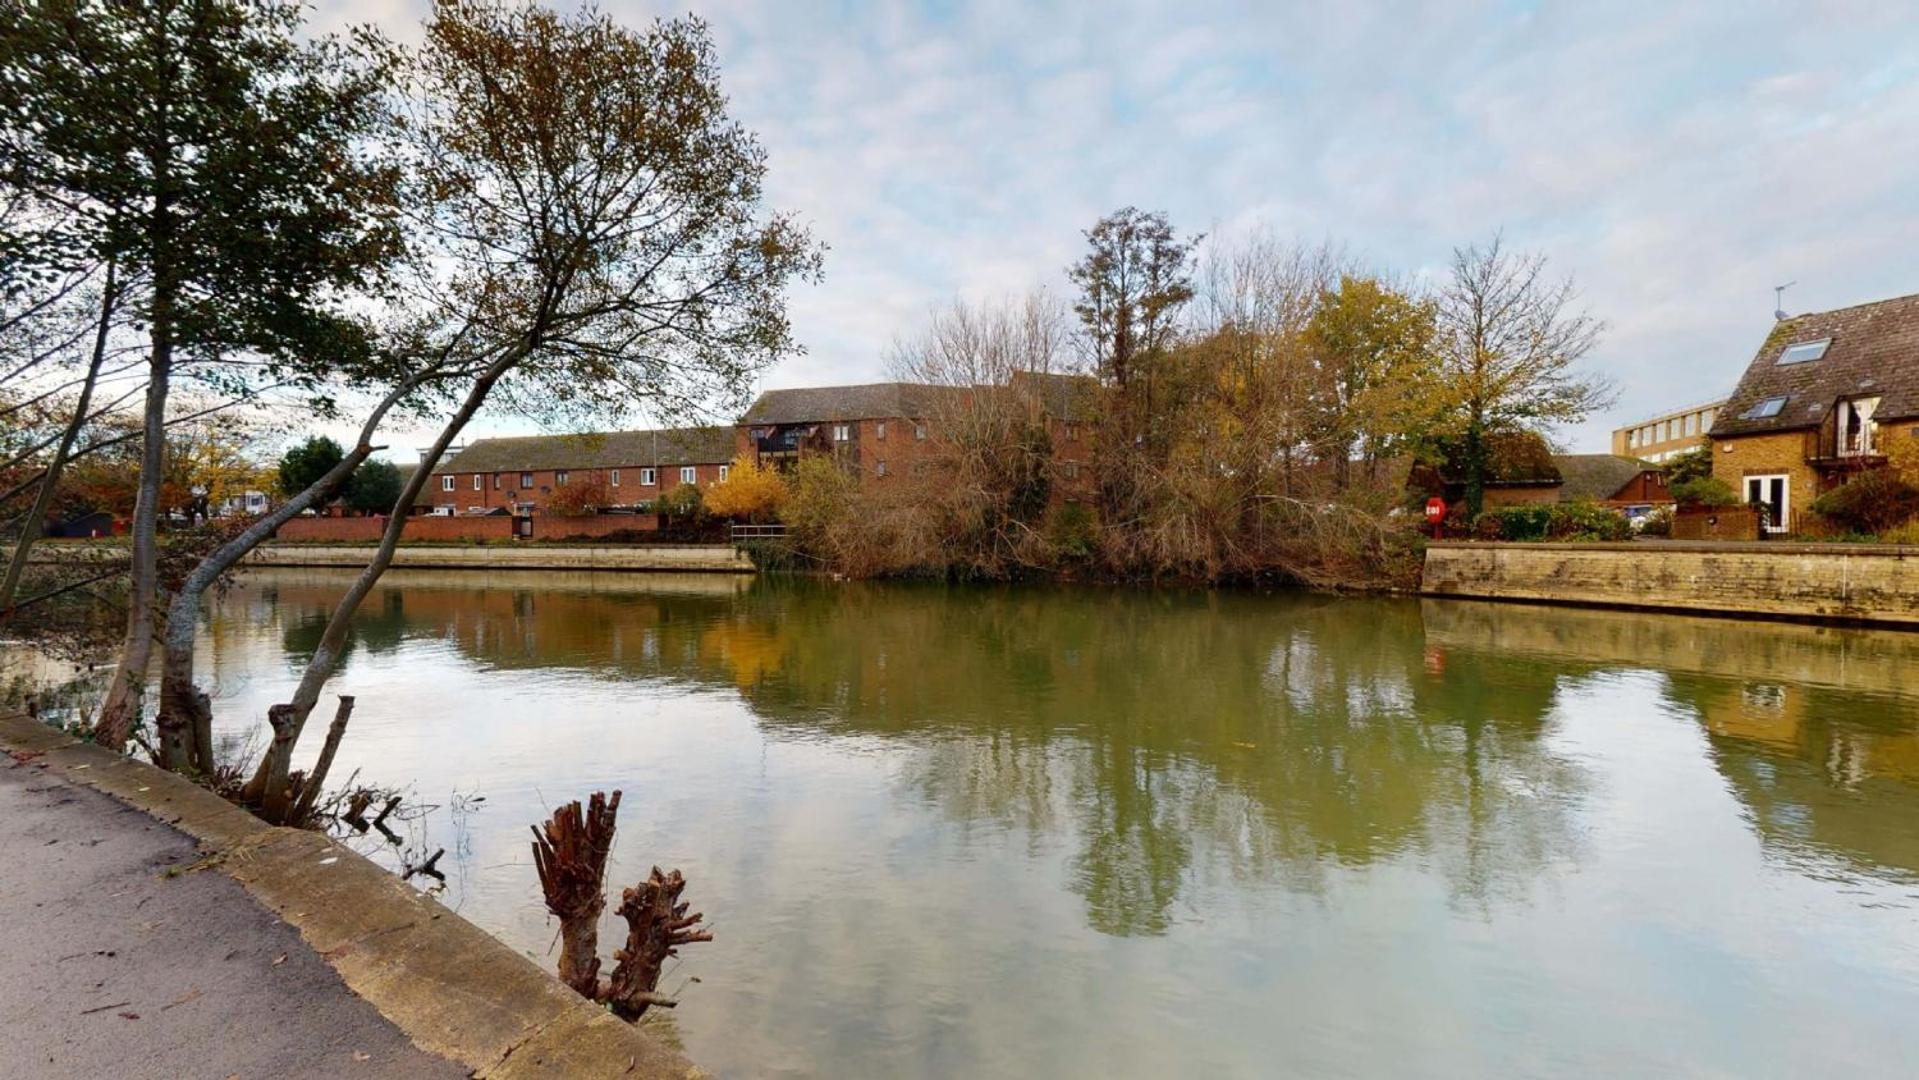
<point>1670,413</point>
<point>1851,307</point>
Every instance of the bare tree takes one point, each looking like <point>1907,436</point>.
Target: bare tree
<point>995,388</point>
<point>1510,342</point>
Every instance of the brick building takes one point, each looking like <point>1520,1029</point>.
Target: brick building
<point>887,430</point>
<point>519,475</point>
<point>1816,406</point>
<point>1668,434</point>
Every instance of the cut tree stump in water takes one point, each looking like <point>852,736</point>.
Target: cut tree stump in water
<point>570,855</point>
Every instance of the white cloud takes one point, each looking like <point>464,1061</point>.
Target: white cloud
<point>1678,159</point>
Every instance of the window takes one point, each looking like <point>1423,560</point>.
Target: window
<point>1691,419</point>
<point>646,478</point>
<point>687,475</point>
<point>613,478</point>
<point>1705,420</point>
<point>1665,431</point>
<point>479,482</point>
<point>496,481</point>
<point>1072,433</point>
<point>919,431</point>
<point>724,469</point>
<point>559,478</point>
<point>879,469</point>
<point>1766,409</point>
<point>842,433</point>
<point>1632,438</point>
<point>446,483</point>
<point>1804,351</point>
<point>879,431</point>
<point>1857,431</point>
<point>526,480</point>
<point>1072,470</point>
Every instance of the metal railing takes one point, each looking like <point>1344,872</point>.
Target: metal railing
<point>758,532</point>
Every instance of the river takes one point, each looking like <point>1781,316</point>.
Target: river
<point>946,831</point>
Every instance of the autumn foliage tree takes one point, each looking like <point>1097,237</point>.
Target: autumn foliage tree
<point>582,494</point>
<point>751,491</point>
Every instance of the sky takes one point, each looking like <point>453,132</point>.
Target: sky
<point>1677,160</point>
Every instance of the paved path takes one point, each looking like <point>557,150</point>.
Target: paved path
<point>117,958</point>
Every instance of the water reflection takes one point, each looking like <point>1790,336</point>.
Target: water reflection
<point>1034,831</point>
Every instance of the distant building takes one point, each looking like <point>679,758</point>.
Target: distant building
<point>1667,434</point>
<point>1821,399</point>
<point>886,430</point>
<point>519,475</point>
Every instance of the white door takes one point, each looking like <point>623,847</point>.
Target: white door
<point>1774,493</point>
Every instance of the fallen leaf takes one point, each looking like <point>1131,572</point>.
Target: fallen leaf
<point>280,959</point>
<point>362,1055</point>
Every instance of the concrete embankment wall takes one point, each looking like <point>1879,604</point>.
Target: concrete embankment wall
<point>451,988</point>
<point>720,558</point>
<point>1840,582</point>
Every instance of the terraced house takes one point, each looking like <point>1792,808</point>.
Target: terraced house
<point>520,475</point>
<point>1818,404</point>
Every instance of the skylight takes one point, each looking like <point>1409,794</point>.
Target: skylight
<point>1804,351</point>
<point>1769,407</point>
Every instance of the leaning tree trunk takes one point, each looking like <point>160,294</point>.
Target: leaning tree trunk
<point>121,711</point>
<point>333,640</point>
<point>186,716</point>
<point>50,480</point>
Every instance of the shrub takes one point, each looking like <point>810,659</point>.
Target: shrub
<point>1073,531</point>
<point>1705,492</point>
<point>1656,523</point>
<point>1872,502</point>
<point>684,505</point>
<point>1907,533</point>
<point>1579,521</point>
<point>751,491</point>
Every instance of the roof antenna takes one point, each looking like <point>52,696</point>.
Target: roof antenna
<point>1779,300</point>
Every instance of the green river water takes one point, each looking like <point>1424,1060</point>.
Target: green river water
<point>945,831</point>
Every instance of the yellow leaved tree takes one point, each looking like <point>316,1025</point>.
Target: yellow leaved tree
<point>750,492</point>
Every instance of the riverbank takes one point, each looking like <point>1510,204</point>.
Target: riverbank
<point>1838,583</point>
<point>636,558</point>
<point>357,962</point>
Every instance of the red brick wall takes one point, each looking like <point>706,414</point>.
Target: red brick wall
<point>555,527</point>
<point>368,529</point>
<point>436,527</point>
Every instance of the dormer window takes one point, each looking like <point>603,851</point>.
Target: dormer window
<point>1766,410</point>
<point>1805,351</point>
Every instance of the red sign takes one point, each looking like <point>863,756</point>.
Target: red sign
<point>1435,509</point>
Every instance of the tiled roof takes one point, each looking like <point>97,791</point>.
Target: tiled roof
<point>595,450</point>
<point>1595,476</point>
<point>1874,350</point>
<point>820,404</point>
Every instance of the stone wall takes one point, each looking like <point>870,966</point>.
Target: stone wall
<point>683,557</point>
<point>1848,582</point>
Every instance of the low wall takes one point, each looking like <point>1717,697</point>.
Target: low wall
<point>479,529</point>
<point>723,558</point>
<point>1836,582</point>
